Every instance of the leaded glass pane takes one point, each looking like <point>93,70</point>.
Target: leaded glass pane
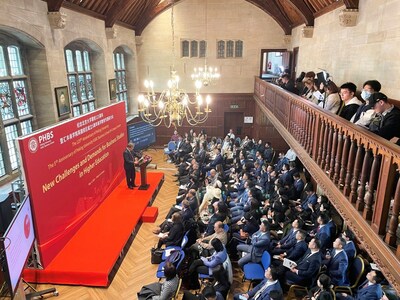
<point>185,48</point>
<point>78,57</point>
<point>3,68</point>
<point>26,127</point>
<point>203,49</point>
<point>5,101</point>
<point>11,134</point>
<point>115,60</point>
<point>85,108</point>
<point>73,88</point>
<point>194,49</point>
<point>86,61</point>
<point>15,61</point>
<point>239,49</point>
<point>2,167</point>
<point>91,106</point>
<point>89,86</point>
<point>119,61</point>
<point>122,61</point>
<point>70,61</point>
<point>119,83</point>
<point>21,97</point>
<point>221,49</point>
<point>123,80</point>
<point>229,48</point>
<point>76,111</point>
<point>82,87</point>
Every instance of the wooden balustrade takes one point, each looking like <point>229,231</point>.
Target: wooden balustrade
<point>357,170</point>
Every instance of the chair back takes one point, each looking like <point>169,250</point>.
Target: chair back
<point>228,268</point>
<point>175,297</point>
<point>333,294</point>
<point>266,260</point>
<point>185,239</point>
<point>356,271</point>
<point>171,146</point>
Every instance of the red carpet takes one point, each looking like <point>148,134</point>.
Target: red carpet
<point>89,257</point>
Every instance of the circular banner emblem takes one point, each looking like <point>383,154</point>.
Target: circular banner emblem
<point>33,145</point>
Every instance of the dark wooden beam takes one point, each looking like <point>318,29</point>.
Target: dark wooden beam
<point>328,8</point>
<point>351,4</point>
<point>271,8</point>
<point>304,11</point>
<point>82,10</point>
<point>115,12</point>
<point>54,5</point>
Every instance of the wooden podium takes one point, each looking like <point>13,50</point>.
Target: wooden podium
<point>143,162</point>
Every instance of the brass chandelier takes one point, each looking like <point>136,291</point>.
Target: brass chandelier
<point>173,105</point>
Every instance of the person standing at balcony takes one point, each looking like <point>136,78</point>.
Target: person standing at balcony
<point>288,84</point>
<point>366,112</point>
<point>350,102</point>
<point>386,123</point>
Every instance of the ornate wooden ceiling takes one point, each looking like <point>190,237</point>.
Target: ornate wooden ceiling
<point>137,14</point>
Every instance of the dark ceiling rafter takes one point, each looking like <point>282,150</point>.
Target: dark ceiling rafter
<point>304,11</point>
<point>152,13</point>
<point>54,5</point>
<point>115,12</point>
<point>351,4</point>
<point>273,10</point>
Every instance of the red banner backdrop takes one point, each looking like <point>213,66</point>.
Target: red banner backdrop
<point>69,170</point>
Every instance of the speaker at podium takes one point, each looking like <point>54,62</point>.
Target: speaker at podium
<point>143,162</point>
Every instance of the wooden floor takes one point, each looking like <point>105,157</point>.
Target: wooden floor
<point>136,270</point>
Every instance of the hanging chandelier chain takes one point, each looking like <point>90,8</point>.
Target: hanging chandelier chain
<point>173,34</point>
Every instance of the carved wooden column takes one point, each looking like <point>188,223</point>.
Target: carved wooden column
<point>329,148</point>
<point>304,129</point>
<point>338,159</point>
<point>345,159</point>
<point>311,134</point>
<point>384,192</point>
<point>373,179</point>
<point>333,153</point>
<point>321,142</point>
<point>391,237</point>
<point>356,173</point>
<point>363,179</point>
<point>317,125</point>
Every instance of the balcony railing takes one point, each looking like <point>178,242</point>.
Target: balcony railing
<point>357,170</point>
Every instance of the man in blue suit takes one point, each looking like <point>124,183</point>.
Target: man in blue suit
<point>350,247</point>
<point>311,199</point>
<point>263,289</point>
<point>260,241</point>
<point>370,289</point>
<point>289,240</point>
<point>337,263</point>
<point>322,232</point>
<point>307,267</point>
<point>299,248</point>
<point>298,184</point>
<point>217,161</point>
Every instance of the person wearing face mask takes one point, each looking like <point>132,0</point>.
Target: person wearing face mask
<point>365,112</point>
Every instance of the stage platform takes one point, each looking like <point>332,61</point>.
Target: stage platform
<point>94,253</point>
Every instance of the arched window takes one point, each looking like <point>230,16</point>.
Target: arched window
<point>229,48</point>
<point>203,49</point>
<point>185,48</point>
<point>194,49</point>
<point>15,112</point>
<point>239,48</point>
<point>120,75</point>
<point>221,49</point>
<point>80,78</point>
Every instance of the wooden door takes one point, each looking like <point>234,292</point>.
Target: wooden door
<point>234,120</point>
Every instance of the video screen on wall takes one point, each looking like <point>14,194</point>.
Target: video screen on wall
<point>17,242</point>
<point>142,134</point>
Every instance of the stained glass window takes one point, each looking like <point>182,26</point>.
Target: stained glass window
<point>194,49</point>
<point>14,102</point>
<point>120,76</point>
<point>80,78</point>
<point>203,49</point>
<point>185,48</point>
<point>230,49</point>
<point>221,49</point>
<point>239,49</point>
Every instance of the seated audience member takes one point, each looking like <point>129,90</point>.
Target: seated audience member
<point>268,152</point>
<point>175,136</point>
<point>203,246</point>
<point>350,102</point>
<point>205,265</point>
<point>220,214</point>
<point>370,289</point>
<point>260,241</point>
<point>386,123</point>
<point>350,247</point>
<point>208,293</point>
<point>322,290</point>
<point>288,241</point>
<point>307,267</point>
<point>161,290</point>
<point>298,249</point>
<point>309,95</point>
<point>322,232</point>
<point>291,155</point>
<point>288,84</point>
<point>223,279</point>
<point>366,112</point>
<point>264,288</point>
<point>174,236</point>
<point>332,100</point>
<point>337,263</point>
<point>276,295</point>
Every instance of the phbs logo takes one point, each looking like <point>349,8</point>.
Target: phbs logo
<point>27,226</point>
<point>33,145</point>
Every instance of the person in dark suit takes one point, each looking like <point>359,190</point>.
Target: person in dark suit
<point>288,84</point>
<point>175,234</point>
<point>387,122</point>
<point>337,263</point>
<point>130,158</point>
<point>370,289</point>
<point>297,251</point>
<point>307,267</point>
<point>289,240</point>
<point>322,232</point>
<point>217,160</point>
<point>264,288</point>
<point>350,247</point>
<point>298,184</point>
<point>322,290</point>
